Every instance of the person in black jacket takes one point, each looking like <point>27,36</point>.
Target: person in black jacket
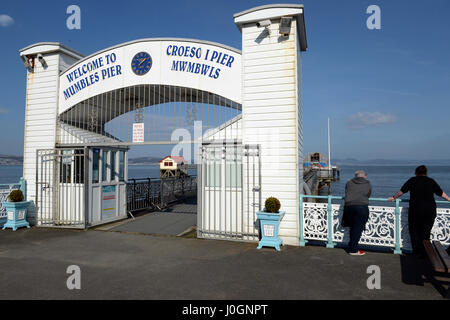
<point>422,207</point>
<point>356,209</point>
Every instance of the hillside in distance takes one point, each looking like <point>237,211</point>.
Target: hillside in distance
<point>389,162</point>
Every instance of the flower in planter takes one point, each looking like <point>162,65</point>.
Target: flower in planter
<point>16,196</point>
<point>272,205</point>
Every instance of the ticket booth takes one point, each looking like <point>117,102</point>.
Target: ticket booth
<point>108,173</point>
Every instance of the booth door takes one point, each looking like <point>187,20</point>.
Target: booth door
<point>107,186</point>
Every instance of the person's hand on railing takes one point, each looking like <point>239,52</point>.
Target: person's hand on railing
<point>398,194</point>
<point>445,196</point>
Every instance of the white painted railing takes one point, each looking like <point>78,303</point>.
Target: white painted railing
<point>387,225</point>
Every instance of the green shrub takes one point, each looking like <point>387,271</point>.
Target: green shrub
<point>272,204</point>
<point>15,196</point>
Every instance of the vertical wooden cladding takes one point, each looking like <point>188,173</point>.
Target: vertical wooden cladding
<point>272,115</point>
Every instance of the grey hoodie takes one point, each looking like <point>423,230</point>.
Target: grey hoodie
<point>357,192</point>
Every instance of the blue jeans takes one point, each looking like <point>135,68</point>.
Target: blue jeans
<point>357,217</point>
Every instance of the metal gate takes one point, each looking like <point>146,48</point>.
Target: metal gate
<point>229,191</point>
<point>60,187</point>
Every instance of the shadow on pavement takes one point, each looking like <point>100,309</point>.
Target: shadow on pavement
<point>418,271</point>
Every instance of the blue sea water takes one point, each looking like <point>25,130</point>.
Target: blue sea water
<point>385,180</point>
<point>10,174</point>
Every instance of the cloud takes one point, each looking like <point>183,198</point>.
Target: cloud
<point>5,20</point>
<point>367,119</point>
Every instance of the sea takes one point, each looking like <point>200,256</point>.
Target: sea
<point>385,180</point>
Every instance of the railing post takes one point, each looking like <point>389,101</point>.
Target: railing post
<point>330,243</point>
<point>300,217</point>
<point>397,249</point>
<point>149,185</point>
<point>134,195</point>
<point>23,188</point>
<point>182,186</point>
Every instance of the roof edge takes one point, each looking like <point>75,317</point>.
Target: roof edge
<point>57,44</point>
<point>269,6</point>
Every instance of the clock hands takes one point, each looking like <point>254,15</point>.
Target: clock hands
<point>142,61</point>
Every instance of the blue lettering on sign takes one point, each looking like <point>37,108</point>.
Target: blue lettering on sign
<point>202,67</point>
<point>91,72</point>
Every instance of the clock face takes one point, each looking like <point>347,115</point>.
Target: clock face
<point>141,63</point>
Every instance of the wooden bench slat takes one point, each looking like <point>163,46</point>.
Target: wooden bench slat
<point>443,254</point>
<point>434,256</point>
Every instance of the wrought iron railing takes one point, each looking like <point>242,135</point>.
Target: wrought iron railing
<point>387,226</point>
<point>5,189</point>
<point>147,193</point>
<point>143,193</point>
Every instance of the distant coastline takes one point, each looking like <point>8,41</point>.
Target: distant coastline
<point>386,162</point>
<point>11,160</point>
<point>6,160</point>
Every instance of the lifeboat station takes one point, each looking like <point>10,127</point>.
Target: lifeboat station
<point>236,112</point>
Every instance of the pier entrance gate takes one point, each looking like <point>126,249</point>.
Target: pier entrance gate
<point>60,187</point>
<point>84,112</point>
<point>229,183</point>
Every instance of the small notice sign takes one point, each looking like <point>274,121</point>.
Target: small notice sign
<point>108,201</point>
<point>269,230</point>
<point>138,132</point>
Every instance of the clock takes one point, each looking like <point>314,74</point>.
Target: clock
<point>141,63</point>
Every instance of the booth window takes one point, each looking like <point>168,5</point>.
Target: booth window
<point>95,165</point>
<point>121,165</point>
<point>72,166</point>
<point>66,167</point>
<point>113,166</point>
<point>104,165</point>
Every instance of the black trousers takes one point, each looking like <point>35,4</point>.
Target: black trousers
<point>420,223</point>
<point>357,217</point>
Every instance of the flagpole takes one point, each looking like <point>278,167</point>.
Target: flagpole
<point>329,151</point>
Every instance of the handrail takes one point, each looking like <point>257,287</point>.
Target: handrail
<point>329,218</point>
<point>22,185</point>
<point>370,199</point>
<point>156,192</point>
<point>134,180</point>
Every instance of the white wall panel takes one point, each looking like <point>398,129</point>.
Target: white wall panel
<point>271,105</point>
<point>41,110</point>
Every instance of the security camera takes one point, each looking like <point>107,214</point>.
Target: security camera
<point>263,23</point>
<point>41,60</point>
<point>285,26</point>
<point>28,62</point>
<point>25,63</point>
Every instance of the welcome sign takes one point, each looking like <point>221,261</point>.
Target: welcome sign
<point>198,65</point>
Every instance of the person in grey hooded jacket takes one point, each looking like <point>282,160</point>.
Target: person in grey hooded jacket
<point>356,209</point>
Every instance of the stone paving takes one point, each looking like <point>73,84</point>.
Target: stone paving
<point>117,265</point>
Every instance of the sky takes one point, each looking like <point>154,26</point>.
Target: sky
<point>386,91</point>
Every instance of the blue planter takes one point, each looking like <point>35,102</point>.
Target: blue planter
<point>270,223</point>
<point>16,213</point>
